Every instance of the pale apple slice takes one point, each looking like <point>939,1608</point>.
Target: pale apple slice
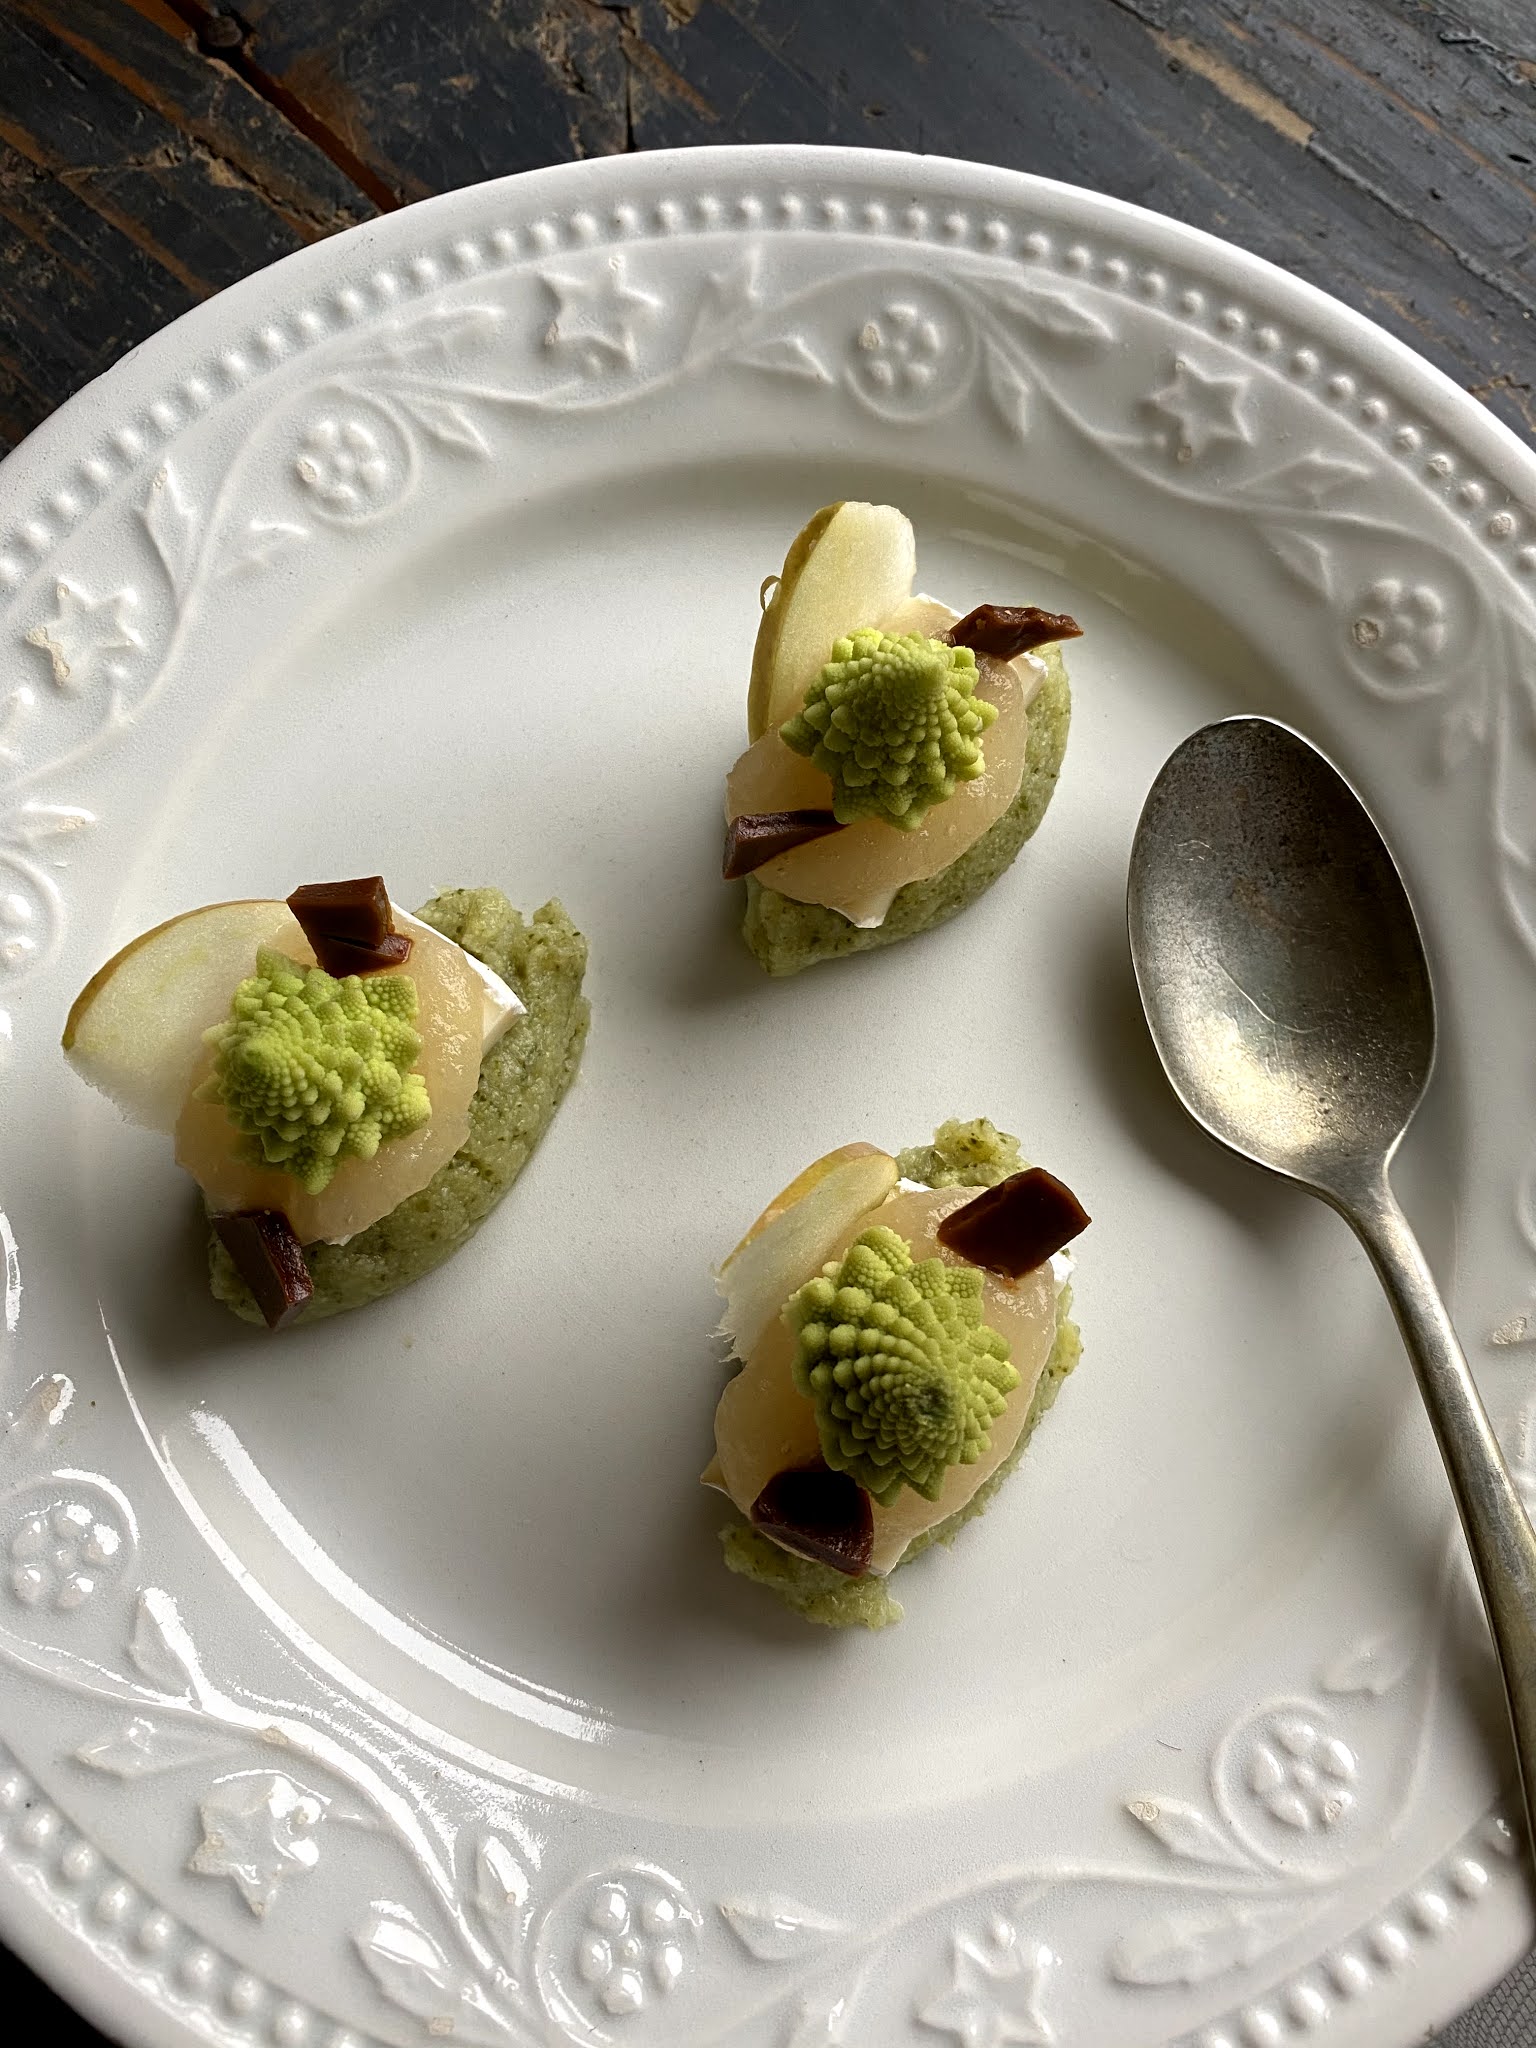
<point>449,1000</point>
<point>788,1241</point>
<point>135,1031</point>
<point>765,1425</point>
<point>858,871</point>
<point>850,565</point>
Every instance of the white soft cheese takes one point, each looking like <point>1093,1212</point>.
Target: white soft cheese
<point>498,1003</point>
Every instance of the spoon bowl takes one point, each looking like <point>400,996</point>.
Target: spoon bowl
<point>1277,954</point>
<point>1285,982</point>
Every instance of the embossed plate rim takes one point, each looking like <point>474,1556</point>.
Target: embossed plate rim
<point>767,173</point>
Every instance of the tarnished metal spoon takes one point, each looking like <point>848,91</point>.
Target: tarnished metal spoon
<point>1283,975</point>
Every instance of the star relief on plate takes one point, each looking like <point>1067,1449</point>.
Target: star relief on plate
<point>1203,409</point>
<point>994,1991</point>
<point>259,1828</point>
<point>82,630</point>
<point>597,315</point>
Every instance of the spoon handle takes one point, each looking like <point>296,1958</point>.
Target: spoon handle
<point>1498,1532</point>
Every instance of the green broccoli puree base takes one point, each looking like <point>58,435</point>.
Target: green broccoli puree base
<point>786,936</point>
<point>832,1598</point>
<point>522,1080</point>
<point>974,1154</point>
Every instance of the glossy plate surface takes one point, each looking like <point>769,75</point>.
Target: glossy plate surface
<point>382,1683</point>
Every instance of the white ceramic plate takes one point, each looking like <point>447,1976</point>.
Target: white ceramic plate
<point>382,1682</point>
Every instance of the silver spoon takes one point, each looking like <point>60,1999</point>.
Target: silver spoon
<point>1284,979</point>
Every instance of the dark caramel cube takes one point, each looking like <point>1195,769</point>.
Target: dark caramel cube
<point>341,956</point>
<point>356,911</point>
<point>819,1514</point>
<point>760,836</point>
<point>1016,1226</point>
<point>1007,630</point>
<point>269,1259</point>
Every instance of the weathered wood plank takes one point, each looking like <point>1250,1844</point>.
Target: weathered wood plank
<point>1402,193</point>
<point>1377,149</point>
<point>1396,134</point>
<point>75,293</point>
<point>432,97</point>
<point>1450,153</point>
<point>146,51</point>
<point>136,178</point>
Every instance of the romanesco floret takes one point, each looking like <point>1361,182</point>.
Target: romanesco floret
<point>906,1377</point>
<point>312,1070</point>
<point>895,721</point>
<point>973,1154</point>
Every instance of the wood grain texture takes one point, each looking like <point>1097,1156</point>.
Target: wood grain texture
<point>136,178</point>
<point>1383,149</point>
<point>152,151</point>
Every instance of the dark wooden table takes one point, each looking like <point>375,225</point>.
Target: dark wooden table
<point>152,151</point>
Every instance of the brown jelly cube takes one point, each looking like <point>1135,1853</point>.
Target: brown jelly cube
<point>1016,1226</point>
<point>269,1259</point>
<point>819,1514</point>
<point>342,956</point>
<point>1007,630</point>
<point>760,836</point>
<point>357,911</point>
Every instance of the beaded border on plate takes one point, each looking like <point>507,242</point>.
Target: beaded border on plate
<point>126,1929</point>
<point>1508,536</point>
<point>1301,2004</point>
<point>147,1945</point>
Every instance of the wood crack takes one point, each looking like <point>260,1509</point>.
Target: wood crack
<point>1501,278</point>
<point>282,100</point>
<point>1145,15</point>
<point>78,180</point>
<point>1516,389</point>
<point>600,55</point>
<point>313,222</point>
<point>1516,70</point>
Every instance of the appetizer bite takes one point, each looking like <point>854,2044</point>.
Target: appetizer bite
<point>902,1326</point>
<point>900,755</point>
<point>353,1088</point>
